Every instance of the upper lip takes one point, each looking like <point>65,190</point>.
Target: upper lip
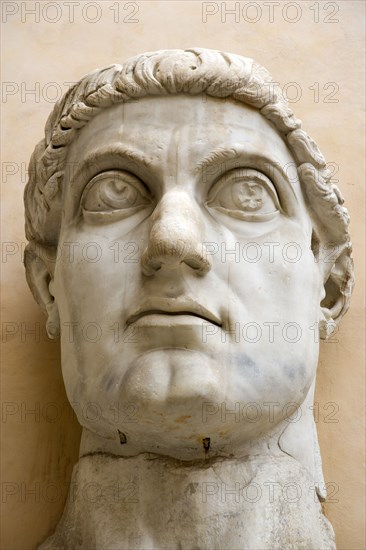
<point>173,306</point>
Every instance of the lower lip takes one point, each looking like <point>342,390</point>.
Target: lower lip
<point>161,320</point>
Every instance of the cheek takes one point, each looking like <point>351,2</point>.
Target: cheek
<point>281,302</point>
<point>272,275</point>
<point>95,278</point>
<point>272,297</point>
<point>93,288</point>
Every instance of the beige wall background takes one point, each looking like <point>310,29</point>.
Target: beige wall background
<point>315,50</point>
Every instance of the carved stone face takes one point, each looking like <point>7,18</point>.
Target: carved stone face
<point>185,280</point>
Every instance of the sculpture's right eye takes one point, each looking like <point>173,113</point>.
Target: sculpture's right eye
<point>115,194</point>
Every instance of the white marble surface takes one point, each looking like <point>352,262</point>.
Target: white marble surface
<point>151,502</point>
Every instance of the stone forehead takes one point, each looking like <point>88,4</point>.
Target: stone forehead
<point>212,122</point>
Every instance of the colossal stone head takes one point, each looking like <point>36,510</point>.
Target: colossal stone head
<point>187,243</point>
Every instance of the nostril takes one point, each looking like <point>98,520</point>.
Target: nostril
<point>194,264</point>
<point>201,265</point>
<point>149,266</point>
<point>173,257</point>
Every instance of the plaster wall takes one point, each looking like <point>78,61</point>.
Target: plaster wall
<point>315,50</point>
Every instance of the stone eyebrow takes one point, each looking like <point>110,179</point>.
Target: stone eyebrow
<point>118,151</point>
<point>219,155</point>
<point>222,155</point>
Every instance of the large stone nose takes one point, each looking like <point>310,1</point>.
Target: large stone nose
<point>176,236</point>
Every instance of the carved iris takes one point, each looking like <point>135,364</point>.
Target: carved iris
<point>114,194</point>
<point>246,194</point>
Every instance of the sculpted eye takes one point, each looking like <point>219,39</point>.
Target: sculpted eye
<point>114,195</point>
<point>246,194</point>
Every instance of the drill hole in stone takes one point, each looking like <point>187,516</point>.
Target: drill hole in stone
<point>122,438</point>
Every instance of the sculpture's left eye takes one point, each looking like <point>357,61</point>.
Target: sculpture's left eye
<point>246,194</point>
<point>114,194</point>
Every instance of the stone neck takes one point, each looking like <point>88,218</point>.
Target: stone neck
<point>153,502</point>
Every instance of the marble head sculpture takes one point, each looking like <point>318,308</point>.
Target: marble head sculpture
<point>187,243</point>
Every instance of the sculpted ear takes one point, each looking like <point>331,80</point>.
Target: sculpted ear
<point>39,273</point>
<point>330,241</point>
<point>338,284</point>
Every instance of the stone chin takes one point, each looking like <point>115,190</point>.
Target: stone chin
<point>171,400</point>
